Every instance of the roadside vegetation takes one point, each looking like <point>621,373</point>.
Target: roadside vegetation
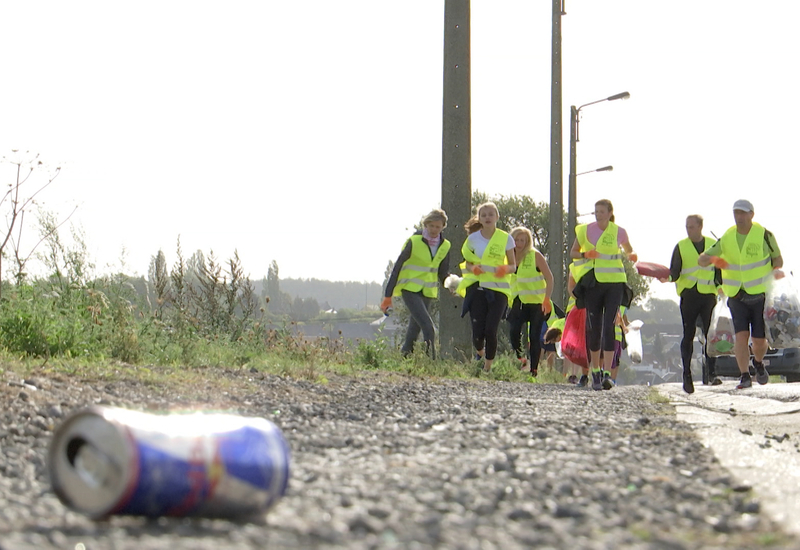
<point>196,315</point>
<point>199,313</point>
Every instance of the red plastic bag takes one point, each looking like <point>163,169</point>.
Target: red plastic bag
<point>573,340</point>
<point>652,269</point>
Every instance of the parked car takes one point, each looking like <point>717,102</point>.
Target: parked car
<point>784,362</point>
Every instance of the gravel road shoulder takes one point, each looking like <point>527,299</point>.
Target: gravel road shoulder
<point>387,461</point>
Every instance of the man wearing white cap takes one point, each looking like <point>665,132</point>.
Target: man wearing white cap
<point>746,254</point>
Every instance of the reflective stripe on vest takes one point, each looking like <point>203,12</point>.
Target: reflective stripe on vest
<point>467,278</point>
<point>608,267</point>
<point>691,273</point>
<point>749,267</point>
<point>419,271</point>
<point>529,283</point>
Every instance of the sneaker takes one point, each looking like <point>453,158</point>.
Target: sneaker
<point>608,382</point>
<point>745,382</point>
<point>762,376</point>
<point>688,384</point>
<point>534,373</point>
<point>716,381</point>
<point>572,379</point>
<point>584,381</point>
<point>597,380</point>
<point>751,369</point>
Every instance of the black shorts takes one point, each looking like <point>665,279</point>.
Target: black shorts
<point>747,311</point>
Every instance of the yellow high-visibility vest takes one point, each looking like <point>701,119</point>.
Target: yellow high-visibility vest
<point>420,269</point>
<point>493,257</point>
<point>748,268</point>
<point>528,282</point>
<point>691,273</point>
<point>617,328</point>
<point>467,278</point>
<point>608,268</point>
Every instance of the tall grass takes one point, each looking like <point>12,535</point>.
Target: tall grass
<point>200,314</point>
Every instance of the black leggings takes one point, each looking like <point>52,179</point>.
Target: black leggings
<point>602,304</point>
<point>694,305</point>
<point>519,315</point>
<point>485,312</point>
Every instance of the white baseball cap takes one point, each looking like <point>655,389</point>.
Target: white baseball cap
<point>743,205</point>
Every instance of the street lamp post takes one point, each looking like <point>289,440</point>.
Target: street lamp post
<point>603,169</point>
<point>572,214</point>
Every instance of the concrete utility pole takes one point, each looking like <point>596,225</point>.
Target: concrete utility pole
<point>556,231</point>
<point>454,332</point>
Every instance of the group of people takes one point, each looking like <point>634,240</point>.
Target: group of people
<point>737,266</point>
<point>504,276</point>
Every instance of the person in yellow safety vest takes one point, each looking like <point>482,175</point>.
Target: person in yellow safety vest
<point>601,283</point>
<point>620,328</point>
<point>531,285</point>
<point>489,253</point>
<point>747,254</point>
<point>697,288</point>
<point>422,265</point>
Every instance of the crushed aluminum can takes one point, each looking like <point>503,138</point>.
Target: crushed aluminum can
<point>105,461</point>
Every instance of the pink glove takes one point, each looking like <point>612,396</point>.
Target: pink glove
<point>386,304</point>
<point>634,257</point>
<point>547,307</point>
<point>476,270</point>
<point>502,271</point>
<point>591,254</point>
<point>778,273</point>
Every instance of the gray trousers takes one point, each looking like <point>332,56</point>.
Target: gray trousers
<point>419,321</point>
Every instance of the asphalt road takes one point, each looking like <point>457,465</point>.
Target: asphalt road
<point>755,434</point>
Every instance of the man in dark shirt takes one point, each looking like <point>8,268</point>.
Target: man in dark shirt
<point>697,287</point>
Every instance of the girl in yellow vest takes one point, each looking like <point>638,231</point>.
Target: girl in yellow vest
<point>532,285</point>
<point>489,253</point>
<point>600,277</point>
<point>421,266</point>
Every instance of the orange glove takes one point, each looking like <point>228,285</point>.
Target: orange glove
<point>719,262</point>
<point>386,304</point>
<point>476,270</point>
<point>778,273</point>
<point>502,271</point>
<point>547,307</point>
<point>591,254</point>
<point>634,257</point>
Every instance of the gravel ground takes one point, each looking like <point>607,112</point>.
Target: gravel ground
<point>387,461</point>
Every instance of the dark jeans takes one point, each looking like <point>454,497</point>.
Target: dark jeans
<point>602,304</point>
<point>519,315</point>
<point>693,306</point>
<point>486,310</point>
<point>419,320</point>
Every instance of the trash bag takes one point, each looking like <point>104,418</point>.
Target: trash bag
<point>634,339</point>
<point>573,340</point>
<point>720,332</point>
<point>782,313</point>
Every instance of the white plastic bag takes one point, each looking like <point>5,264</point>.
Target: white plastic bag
<point>634,339</point>
<point>720,333</point>
<point>782,313</point>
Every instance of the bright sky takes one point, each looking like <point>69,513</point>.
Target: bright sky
<point>299,131</point>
